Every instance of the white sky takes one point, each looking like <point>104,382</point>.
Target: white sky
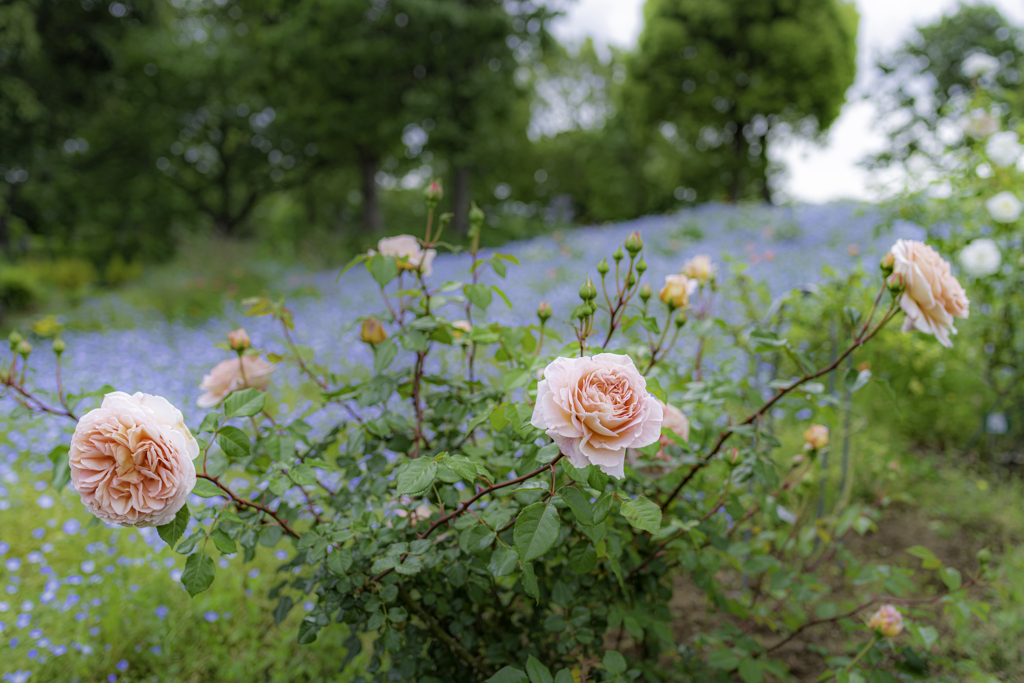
<point>816,174</point>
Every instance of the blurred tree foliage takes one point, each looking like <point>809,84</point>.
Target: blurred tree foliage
<point>128,124</point>
<point>723,76</point>
<point>923,90</point>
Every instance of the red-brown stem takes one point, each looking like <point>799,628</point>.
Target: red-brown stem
<point>248,503</point>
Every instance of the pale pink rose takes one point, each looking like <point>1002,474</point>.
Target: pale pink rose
<point>888,621</point>
<point>932,297</point>
<point>410,255</point>
<point>816,437</point>
<point>247,372</point>
<point>699,268</point>
<point>677,290</point>
<point>239,340</point>
<point>595,408</point>
<point>131,460</point>
<point>674,420</point>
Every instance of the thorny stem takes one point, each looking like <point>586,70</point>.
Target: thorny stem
<point>248,503</point>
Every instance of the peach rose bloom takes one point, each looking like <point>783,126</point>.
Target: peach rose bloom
<point>674,420</point>
<point>699,268</point>
<point>816,437</point>
<point>677,290</point>
<point>595,408</point>
<point>888,621</point>
<point>131,460</point>
<point>460,327</point>
<point>239,340</point>
<point>932,297</point>
<point>410,255</point>
<point>228,376</point>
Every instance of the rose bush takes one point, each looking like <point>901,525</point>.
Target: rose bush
<point>523,502</point>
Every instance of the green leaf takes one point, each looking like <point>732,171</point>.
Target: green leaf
<point>205,488</point>
<point>462,466</point>
<point>172,531</point>
<point>602,506</point>
<point>245,403</point>
<point>210,423</point>
<point>537,672</point>
<point>61,467</point>
<point>502,294</point>
<point>233,442</point>
<point>582,558</point>
<point>509,674</point>
<point>951,577</point>
<point>503,561</point>
<point>383,354</point>
<point>723,659</point>
<point>750,671</point>
<point>479,294</point>
<point>580,475</point>
<point>224,543</point>
<point>536,530</point>
<point>340,561</point>
<point>198,574</point>
<point>614,663</point>
<point>854,379</point>
<point>642,514</point>
<point>547,454</point>
<point>529,580</point>
<point>929,636</point>
<point>927,557</point>
<point>564,676</point>
<point>764,342</point>
<point>579,504</point>
<point>415,476</point>
<point>384,269</point>
<point>307,631</point>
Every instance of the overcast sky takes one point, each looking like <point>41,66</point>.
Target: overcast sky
<point>816,173</point>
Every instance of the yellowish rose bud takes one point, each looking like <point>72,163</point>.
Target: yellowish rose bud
<point>887,621</point>
<point>816,437</point>
<point>887,264</point>
<point>460,326</point>
<point>645,293</point>
<point>677,290</point>
<point>699,268</point>
<point>23,348</point>
<point>239,340</point>
<point>373,331</point>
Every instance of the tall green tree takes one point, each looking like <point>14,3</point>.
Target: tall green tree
<point>728,74</point>
<point>923,86</point>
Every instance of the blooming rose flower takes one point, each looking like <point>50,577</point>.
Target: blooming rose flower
<point>816,437</point>
<point>677,290</point>
<point>888,621</point>
<point>131,460</point>
<point>932,296</point>
<point>1003,149</point>
<point>239,340</point>
<point>979,124</point>
<point>410,255</point>
<point>247,372</point>
<point>979,65</point>
<point>1004,207</point>
<point>981,257</point>
<point>372,331</point>
<point>595,408</point>
<point>673,419</point>
<point>699,268</point>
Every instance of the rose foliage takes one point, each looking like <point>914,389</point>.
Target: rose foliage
<point>601,494</point>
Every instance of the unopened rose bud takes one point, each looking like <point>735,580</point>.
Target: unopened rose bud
<point>618,255</point>
<point>14,338</point>
<point>641,267</point>
<point>816,437</point>
<point>798,458</point>
<point>984,556</point>
<point>887,621</point>
<point>895,284</point>
<point>634,243</point>
<point>681,317</point>
<point>888,261</point>
<point>544,311</point>
<point>602,267</point>
<point>588,291</point>
<point>373,331</point>
<point>23,348</point>
<point>631,280</point>
<point>59,346</point>
<point>433,194</point>
<point>645,293</point>
<point>735,458</point>
<point>239,340</point>
<point>476,216</point>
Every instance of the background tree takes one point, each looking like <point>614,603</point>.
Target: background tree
<point>727,74</point>
<point>923,89</point>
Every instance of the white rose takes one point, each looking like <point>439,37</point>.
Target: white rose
<point>407,250</point>
<point>247,372</point>
<point>979,65</point>
<point>1004,207</point>
<point>981,258</point>
<point>1003,149</point>
<point>595,408</point>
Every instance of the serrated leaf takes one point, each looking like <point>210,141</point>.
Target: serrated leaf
<point>415,476</point>
<point>198,574</point>
<point>462,466</point>
<point>529,580</point>
<point>340,561</point>
<point>750,670</point>
<point>383,354</point>
<point>205,488</point>
<point>642,514</point>
<point>503,562</point>
<point>307,631</point>
<point>210,423</point>
<point>582,558</point>
<point>384,269</point>
<point>224,543</point>
<point>509,674</point>
<point>537,672</point>
<point>172,531</point>
<point>245,403</point>
<point>536,530</point>
<point>579,504</point>
<point>564,676</point>
<point>614,663</point>
<point>233,442</point>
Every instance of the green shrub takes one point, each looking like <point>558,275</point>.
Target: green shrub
<point>19,288</point>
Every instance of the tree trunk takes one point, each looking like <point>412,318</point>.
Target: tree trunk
<point>766,191</point>
<point>739,152</point>
<point>460,200</point>
<point>369,165</point>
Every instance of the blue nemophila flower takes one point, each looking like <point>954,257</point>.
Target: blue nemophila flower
<point>45,501</point>
<point>122,666</point>
<point>211,616</point>
<point>161,612</point>
<point>71,527</point>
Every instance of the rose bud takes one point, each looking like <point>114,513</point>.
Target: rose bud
<point>602,267</point>
<point>634,243</point>
<point>699,268</point>
<point>816,437</point>
<point>645,293</point>
<point>618,255</point>
<point>23,348</point>
<point>888,261</point>
<point>887,621</point>
<point>544,311</point>
<point>677,290</point>
<point>433,194</point>
<point>59,346</point>
<point>476,216</point>
<point>372,331</point>
<point>460,327</point>
<point>14,338</point>
<point>239,340</point>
